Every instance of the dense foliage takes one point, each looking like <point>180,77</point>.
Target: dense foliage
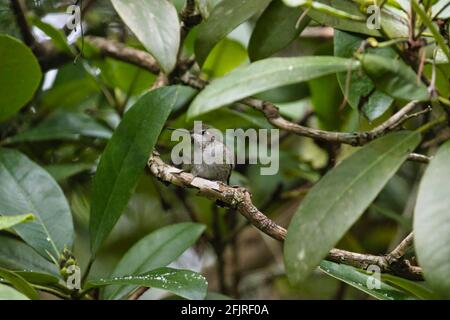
<point>92,208</point>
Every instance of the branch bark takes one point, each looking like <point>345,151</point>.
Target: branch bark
<point>121,52</point>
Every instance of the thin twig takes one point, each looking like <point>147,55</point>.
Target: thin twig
<point>400,251</point>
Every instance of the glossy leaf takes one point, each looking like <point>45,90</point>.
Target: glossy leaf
<point>19,77</point>
<point>275,29</point>
<point>264,75</point>
<point>431,222</point>
<point>124,159</point>
<point>8,293</point>
<point>155,23</point>
<point>18,256</point>
<point>19,283</point>
<point>156,250</point>
<point>377,104</point>
<point>362,281</point>
<point>394,78</point>
<point>8,222</point>
<point>27,188</point>
<point>64,126</point>
<point>184,283</point>
<point>349,189</point>
<point>225,16</point>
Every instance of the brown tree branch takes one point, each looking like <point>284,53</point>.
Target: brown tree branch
<point>270,111</point>
<point>121,52</point>
<point>240,199</point>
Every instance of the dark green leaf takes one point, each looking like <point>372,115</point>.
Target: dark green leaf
<point>64,126</point>
<point>155,23</point>
<point>19,283</point>
<point>19,77</point>
<point>416,288</point>
<point>377,104</point>
<point>359,280</point>
<point>17,256</point>
<point>431,222</point>
<point>225,16</point>
<point>156,250</point>
<point>394,78</point>
<point>361,93</point>
<point>27,188</point>
<point>275,29</point>
<point>184,283</point>
<point>264,75</point>
<point>349,189</point>
<point>124,159</point>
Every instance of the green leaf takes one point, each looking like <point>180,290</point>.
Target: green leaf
<point>360,280</point>
<point>19,77</point>
<point>393,21</point>
<point>155,23</point>
<point>225,16</point>
<point>38,278</point>
<point>19,283</point>
<point>326,106</point>
<point>156,250</point>
<point>416,288</point>
<point>64,126</point>
<point>275,29</point>
<point>226,56</point>
<point>8,293</point>
<point>184,283</point>
<point>27,188</point>
<point>264,75</point>
<point>132,80</point>
<point>124,159</point>
<point>431,222</point>
<point>377,104</point>
<point>18,256</point>
<point>394,78</point>
<point>349,189</point>
<point>361,93</point>
<point>8,222</point>
<point>57,36</point>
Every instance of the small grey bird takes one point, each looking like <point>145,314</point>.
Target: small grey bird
<point>217,162</point>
